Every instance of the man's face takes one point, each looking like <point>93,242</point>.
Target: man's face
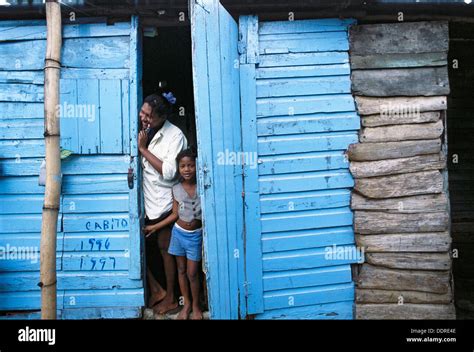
<point>145,115</point>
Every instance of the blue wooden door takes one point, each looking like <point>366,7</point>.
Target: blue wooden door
<point>298,118</point>
<point>216,95</point>
<point>98,253</point>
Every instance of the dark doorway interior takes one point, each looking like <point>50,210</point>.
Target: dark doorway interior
<point>461,163</point>
<point>167,59</point>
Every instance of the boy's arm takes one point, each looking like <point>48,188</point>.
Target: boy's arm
<point>150,229</point>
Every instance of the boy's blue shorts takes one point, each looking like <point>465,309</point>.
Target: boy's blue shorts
<point>186,244</point>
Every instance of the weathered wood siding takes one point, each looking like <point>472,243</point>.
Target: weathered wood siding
<point>400,200</point>
<point>461,163</point>
<point>98,252</point>
<point>298,119</point>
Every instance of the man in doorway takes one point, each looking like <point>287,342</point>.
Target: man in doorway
<point>159,145</point>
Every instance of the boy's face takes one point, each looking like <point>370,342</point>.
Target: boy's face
<point>187,168</point>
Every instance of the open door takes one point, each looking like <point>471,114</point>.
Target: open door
<point>217,107</point>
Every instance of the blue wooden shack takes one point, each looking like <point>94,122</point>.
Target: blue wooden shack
<point>274,117</point>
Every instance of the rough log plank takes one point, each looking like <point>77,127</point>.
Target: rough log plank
<point>414,204</point>
<point>398,60</point>
<point>407,242</point>
<point>423,81</point>
<point>375,222</point>
<point>396,296</point>
<point>405,311</point>
<point>391,38</point>
<point>399,117</point>
<point>424,182</point>
<point>395,279</point>
<point>371,105</point>
<point>413,261</point>
<point>402,132</point>
<point>361,169</point>
<point>392,150</point>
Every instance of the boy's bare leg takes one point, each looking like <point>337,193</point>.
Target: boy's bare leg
<point>157,293</point>
<point>184,287</point>
<point>169,302</point>
<point>193,277</point>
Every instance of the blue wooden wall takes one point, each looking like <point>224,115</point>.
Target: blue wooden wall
<point>98,247</point>
<point>299,117</point>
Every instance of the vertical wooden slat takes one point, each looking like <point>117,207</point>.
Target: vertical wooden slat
<point>110,116</point>
<point>253,243</point>
<point>88,124</point>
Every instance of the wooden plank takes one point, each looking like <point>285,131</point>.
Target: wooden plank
<point>307,278</point>
<point>311,123</point>
<point>392,150</point>
<point>21,185</point>
<point>96,241</point>
<point>308,295</point>
<point>396,296</point>
<point>396,133</point>
<point>303,59</point>
<point>398,118</point>
<point>373,105</point>
<point>317,161</point>
<point>360,169</point>
<point>302,239</point>
<point>297,86</point>
<point>312,219</point>
<point>306,181</point>
<point>14,110</point>
<point>425,81</point>
<point>277,203</point>
<point>97,222</point>
<point>69,118</point>
<point>414,261</point>
<point>424,182</point>
<point>22,223</point>
<point>286,144</point>
<point>310,258</point>
<point>18,32</point>
<point>95,261</point>
<point>89,119</point>
<point>21,129</point>
<point>284,106</point>
<point>397,60</point>
<point>300,43</point>
<point>15,92</point>
<point>407,242</point>
<point>95,203</point>
<point>22,148</point>
<point>414,204</point>
<point>110,116</point>
<point>21,204</point>
<point>104,52</point>
<point>303,71</point>
<point>101,299</point>
<point>377,222</point>
<point>340,310</point>
<point>93,184</point>
<point>409,37</point>
<point>304,26</point>
<point>95,165</point>
<point>405,311</point>
<point>395,279</point>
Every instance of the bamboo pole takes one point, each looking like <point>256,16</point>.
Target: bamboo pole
<point>53,161</point>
